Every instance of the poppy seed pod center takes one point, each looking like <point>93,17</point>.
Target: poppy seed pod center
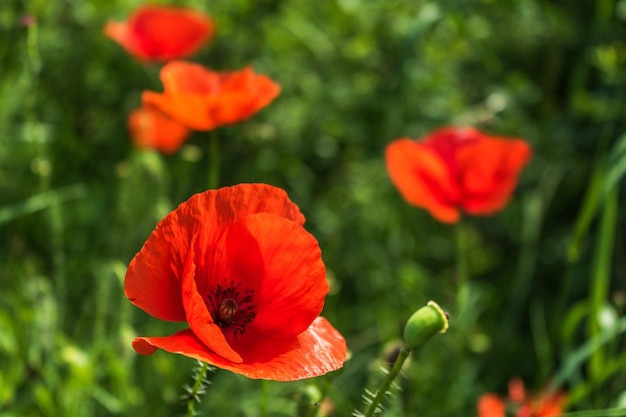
<point>228,309</point>
<point>231,307</point>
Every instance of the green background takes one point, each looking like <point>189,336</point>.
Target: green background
<point>548,273</point>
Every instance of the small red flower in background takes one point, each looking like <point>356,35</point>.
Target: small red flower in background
<point>202,99</point>
<point>152,129</point>
<point>542,405</point>
<point>454,169</point>
<point>239,268</point>
<point>160,33</point>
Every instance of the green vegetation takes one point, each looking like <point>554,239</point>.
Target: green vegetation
<point>546,294</point>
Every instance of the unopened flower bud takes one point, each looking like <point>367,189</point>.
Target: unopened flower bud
<point>424,324</point>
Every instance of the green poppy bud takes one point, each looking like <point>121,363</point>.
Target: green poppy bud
<point>424,324</point>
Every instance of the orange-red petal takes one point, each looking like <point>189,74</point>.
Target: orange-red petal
<point>282,263</point>
<point>203,99</point>
<point>243,94</point>
<point>318,350</point>
<point>156,32</point>
<point>550,405</point>
<point>490,405</point>
<point>423,178</point>
<point>153,278</point>
<point>491,170</point>
<point>199,317</point>
<point>517,392</point>
<point>150,128</point>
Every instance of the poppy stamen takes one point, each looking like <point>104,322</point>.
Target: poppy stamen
<point>231,307</point>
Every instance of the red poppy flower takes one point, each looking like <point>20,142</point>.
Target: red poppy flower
<point>152,129</point>
<point>543,405</point>
<point>454,169</point>
<point>239,268</point>
<point>202,99</point>
<point>162,33</point>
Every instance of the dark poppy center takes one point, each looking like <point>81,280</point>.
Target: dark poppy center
<point>228,310</point>
<point>231,306</point>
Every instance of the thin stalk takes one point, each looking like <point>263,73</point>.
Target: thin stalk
<point>265,389</point>
<point>196,390</point>
<point>386,384</point>
<point>462,267</point>
<point>214,161</point>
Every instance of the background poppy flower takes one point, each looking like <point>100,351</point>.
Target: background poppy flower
<point>152,129</point>
<point>162,33</point>
<point>202,99</point>
<point>239,268</point>
<point>542,405</point>
<point>455,169</point>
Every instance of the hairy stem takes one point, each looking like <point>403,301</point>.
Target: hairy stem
<point>386,384</point>
<point>196,390</point>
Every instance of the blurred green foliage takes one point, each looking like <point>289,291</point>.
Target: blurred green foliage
<point>77,200</point>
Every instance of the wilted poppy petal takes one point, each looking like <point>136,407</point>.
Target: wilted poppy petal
<point>152,129</point>
<point>490,405</point>
<point>153,278</point>
<point>422,178</point>
<point>162,33</point>
<point>318,350</point>
<point>285,270</point>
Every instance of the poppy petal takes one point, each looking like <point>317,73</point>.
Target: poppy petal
<point>517,392</point>
<point>153,280</point>
<point>188,78</point>
<point>120,33</point>
<point>551,405</point>
<point>490,405</point>
<point>191,110</point>
<point>152,129</point>
<point>318,350</point>
<point>243,94</point>
<point>203,99</point>
<point>162,33</point>
<point>422,178</point>
<point>493,166</point>
<point>199,317</point>
<point>285,269</point>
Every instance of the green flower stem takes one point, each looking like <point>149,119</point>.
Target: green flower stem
<point>195,390</point>
<point>386,384</point>
<point>265,389</point>
<point>462,268</point>
<point>214,161</point>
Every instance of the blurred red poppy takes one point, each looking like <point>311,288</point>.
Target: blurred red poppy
<point>152,129</point>
<point>202,99</point>
<point>543,405</point>
<point>454,169</point>
<point>239,268</point>
<point>161,33</point>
